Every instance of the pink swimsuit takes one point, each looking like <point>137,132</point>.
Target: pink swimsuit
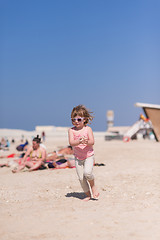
<point>82,151</point>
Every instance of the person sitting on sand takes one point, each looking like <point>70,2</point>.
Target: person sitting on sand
<point>34,157</point>
<point>4,144</point>
<point>60,153</point>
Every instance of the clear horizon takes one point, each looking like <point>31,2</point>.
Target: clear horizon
<point>58,54</point>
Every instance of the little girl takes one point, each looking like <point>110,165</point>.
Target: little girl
<point>82,140</point>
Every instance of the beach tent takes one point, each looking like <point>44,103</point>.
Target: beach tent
<point>152,112</point>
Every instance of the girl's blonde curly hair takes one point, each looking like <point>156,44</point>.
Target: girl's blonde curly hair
<point>82,111</point>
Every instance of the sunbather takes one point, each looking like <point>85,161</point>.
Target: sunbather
<point>11,159</point>
<point>60,153</point>
<point>34,157</point>
<point>62,163</point>
<point>22,147</point>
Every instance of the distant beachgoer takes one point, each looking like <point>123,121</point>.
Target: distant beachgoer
<point>62,163</point>
<point>60,153</point>
<point>22,138</point>
<point>12,159</point>
<point>4,144</point>
<point>34,157</point>
<point>22,147</point>
<point>82,140</point>
<point>43,136</point>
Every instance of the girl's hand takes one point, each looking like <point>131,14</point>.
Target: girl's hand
<point>83,140</point>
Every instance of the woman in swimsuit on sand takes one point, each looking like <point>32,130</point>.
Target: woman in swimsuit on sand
<point>34,157</point>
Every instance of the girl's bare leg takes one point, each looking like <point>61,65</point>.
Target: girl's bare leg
<point>94,189</point>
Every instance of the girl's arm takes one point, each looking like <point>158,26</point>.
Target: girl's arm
<point>90,140</point>
<point>72,141</point>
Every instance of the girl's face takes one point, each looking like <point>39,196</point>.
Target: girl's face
<point>78,121</point>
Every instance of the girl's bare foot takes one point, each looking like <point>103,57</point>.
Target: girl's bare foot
<point>88,196</point>
<point>96,196</point>
<point>95,192</point>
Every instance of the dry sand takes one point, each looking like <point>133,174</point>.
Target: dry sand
<point>47,204</point>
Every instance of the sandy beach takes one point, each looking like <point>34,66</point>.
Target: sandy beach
<point>47,204</point>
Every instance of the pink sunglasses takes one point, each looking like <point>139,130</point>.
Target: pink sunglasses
<point>77,119</point>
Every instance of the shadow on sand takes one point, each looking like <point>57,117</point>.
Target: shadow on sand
<point>79,195</point>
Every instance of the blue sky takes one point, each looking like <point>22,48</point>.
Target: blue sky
<point>56,54</point>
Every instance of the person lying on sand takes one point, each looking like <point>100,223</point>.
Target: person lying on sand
<point>22,147</point>
<point>60,153</point>
<point>12,159</point>
<point>34,157</point>
<point>61,163</point>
